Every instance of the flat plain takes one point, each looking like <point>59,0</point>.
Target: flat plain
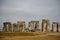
<point>30,36</point>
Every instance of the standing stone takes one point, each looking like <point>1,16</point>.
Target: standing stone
<point>31,26</point>
<point>54,26</point>
<point>48,25</point>
<point>37,26</point>
<point>12,27</point>
<point>24,26</point>
<point>21,26</point>
<point>45,25</point>
<point>34,26</point>
<point>7,27</point>
<point>15,28</point>
<point>59,28</point>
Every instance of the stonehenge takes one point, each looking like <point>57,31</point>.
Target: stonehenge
<point>55,27</point>
<point>59,28</point>
<point>9,27</point>
<point>33,26</point>
<point>21,26</point>
<point>45,25</point>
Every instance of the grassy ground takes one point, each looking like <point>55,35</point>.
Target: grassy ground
<point>28,36</point>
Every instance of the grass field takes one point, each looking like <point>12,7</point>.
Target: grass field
<point>29,36</point>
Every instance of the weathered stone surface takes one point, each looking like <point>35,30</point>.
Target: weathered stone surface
<point>34,25</point>
<point>31,26</point>
<point>55,27</point>
<point>21,26</point>
<point>45,25</point>
<point>7,27</point>
<point>59,28</point>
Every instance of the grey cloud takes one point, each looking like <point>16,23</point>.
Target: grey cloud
<point>14,10</point>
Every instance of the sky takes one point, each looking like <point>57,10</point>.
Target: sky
<point>27,10</point>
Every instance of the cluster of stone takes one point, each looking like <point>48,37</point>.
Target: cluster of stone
<point>45,25</point>
<point>15,27</point>
<point>33,26</point>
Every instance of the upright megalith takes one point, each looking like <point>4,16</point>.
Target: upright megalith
<point>34,26</point>
<point>48,25</point>
<point>45,25</point>
<point>21,26</point>
<point>55,26</point>
<point>37,26</point>
<point>59,28</point>
<point>15,28</point>
<point>7,27</point>
<point>31,26</point>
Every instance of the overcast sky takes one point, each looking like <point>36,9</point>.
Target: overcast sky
<point>18,10</point>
